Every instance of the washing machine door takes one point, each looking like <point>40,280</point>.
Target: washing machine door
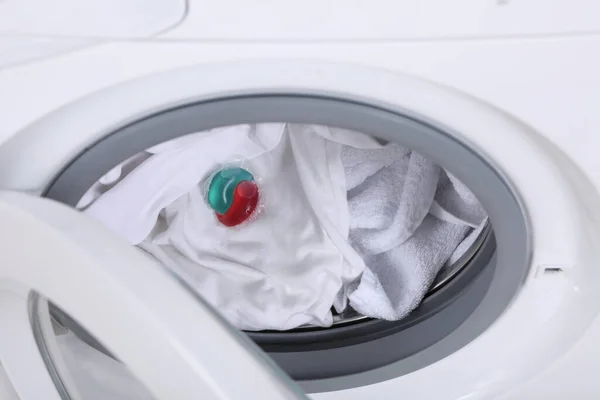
<point>174,346</point>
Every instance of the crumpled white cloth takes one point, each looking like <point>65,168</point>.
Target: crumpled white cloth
<point>285,268</point>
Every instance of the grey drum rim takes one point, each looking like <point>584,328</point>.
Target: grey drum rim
<point>470,314</point>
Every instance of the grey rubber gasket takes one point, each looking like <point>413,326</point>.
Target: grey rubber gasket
<point>487,286</point>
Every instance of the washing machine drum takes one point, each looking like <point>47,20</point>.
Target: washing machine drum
<point>354,343</point>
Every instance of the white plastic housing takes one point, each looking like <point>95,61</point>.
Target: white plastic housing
<point>385,20</point>
<point>97,19</point>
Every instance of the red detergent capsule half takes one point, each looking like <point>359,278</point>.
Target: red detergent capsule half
<point>245,201</point>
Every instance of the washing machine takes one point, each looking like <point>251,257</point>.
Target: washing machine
<point>504,93</point>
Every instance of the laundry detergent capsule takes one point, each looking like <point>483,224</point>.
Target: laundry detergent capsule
<point>233,195</point>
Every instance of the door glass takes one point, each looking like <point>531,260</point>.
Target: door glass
<point>175,355</point>
<point>77,368</point>
<point>7,391</point>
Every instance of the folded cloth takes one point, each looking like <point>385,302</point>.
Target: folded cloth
<point>279,271</point>
<point>455,203</point>
<point>395,282</point>
<point>387,206</point>
<point>407,219</point>
<point>467,243</point>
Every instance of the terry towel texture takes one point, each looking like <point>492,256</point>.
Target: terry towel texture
<point>391,191</point>
<point>344,219</point>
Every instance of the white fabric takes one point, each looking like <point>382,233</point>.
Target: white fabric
<point>396,281</point>
<point>455,203</point>
<point>285,268</point>
<point>467,242</point>
<point>110,179</point>
<point>387,205</point>
<point>407,219</point>
<point>326,143</point>
<point>332,201</point>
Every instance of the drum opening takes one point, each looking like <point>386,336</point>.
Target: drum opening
<point>352,343</point>
<point>374,171</point>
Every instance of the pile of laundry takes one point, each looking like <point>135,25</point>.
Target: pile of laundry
<point>344,221</point>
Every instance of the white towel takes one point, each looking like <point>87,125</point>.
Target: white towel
<point>396,281</point>
<point>455,203</point>
<point>391,192</point>
<point>282,270</point>
<point>388,205</point>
